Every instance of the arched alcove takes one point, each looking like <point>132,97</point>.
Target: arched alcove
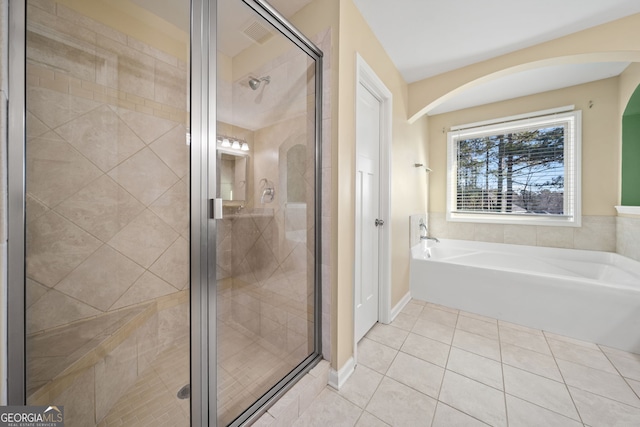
<point>428,94</point>
<point>631,151</point>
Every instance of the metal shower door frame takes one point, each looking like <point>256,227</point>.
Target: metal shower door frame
<point>284,27</point>
<point>203,229</point>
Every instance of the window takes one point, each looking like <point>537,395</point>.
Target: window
<point>516,170</point>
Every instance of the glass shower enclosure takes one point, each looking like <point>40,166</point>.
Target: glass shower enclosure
<point>168,270</point>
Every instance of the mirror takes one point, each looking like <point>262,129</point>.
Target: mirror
<point>232,177</point>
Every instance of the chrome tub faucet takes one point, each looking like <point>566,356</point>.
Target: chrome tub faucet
<point>424,232</point>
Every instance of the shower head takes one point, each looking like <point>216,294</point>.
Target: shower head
<point>255,83</point>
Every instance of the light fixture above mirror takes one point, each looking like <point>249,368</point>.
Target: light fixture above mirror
<point>232,143</point>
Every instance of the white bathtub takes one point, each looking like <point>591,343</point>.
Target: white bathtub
<point>588,295</point>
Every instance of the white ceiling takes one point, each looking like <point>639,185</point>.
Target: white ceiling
<point>429,37</point>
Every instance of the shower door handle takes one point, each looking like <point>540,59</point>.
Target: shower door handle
<point>215,208</point>
<point>379,222</point>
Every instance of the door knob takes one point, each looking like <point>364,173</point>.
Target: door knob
<point>379,222</point>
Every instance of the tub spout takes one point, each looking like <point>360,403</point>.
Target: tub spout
<point>424,233</point>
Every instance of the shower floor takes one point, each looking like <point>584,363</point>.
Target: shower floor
<point>153,400</point>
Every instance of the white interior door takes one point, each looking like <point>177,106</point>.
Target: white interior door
<point>367,210</point>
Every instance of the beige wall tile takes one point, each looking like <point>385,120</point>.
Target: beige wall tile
<point>146,231</point>
<point>173,265</point>
<point>170,85</point>
<point>173,150</point>
<point>438,225</point>
<point>461,230</point>
<point>77,56</point>
<point>101,279</point>
<point>130,71</point>
<point>101,137</point>
<point>597,233</point>
<point>67,107</point>
<point>55,170</point>
<point>173,206</point>
<point>145,176</point>
<point>102,208</point>
<point>55,247</point>
<point>490,233</point>
<point>46,5</point>
<point>81,20</point>
<point>34,291</point>
<point>56,309</point>
<point>520,235</point>
<point>555,237</point>
<point>34,208</point>
<point>146,288</point>
<point>628,237</point>
<point>56,26</point>
<point>148,128</point>
<point>34,126</point>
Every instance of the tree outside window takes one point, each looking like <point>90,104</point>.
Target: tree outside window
<point>526,168</point>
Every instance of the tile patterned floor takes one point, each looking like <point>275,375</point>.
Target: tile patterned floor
<point>436,366</point>
<point>152,400</point>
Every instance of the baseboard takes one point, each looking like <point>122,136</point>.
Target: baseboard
<point>398,308</point>
<point>338,378</point>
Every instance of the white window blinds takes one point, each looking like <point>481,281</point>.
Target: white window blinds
<point>517,171</point>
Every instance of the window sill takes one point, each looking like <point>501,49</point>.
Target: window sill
<point>628,210</point>
<point>561,221</point>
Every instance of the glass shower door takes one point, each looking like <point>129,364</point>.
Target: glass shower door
<point>107,210</point>
<point>266,240</point>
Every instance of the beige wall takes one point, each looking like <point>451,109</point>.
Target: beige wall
<point>614,41</point>
<point>600,139</point>
<point>598,102</point>
<point>408,184</point>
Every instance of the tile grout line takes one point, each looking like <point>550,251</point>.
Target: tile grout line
<point>599,370</point>
<point>445,368</point>
<point>563,379</point>
<point>504,386</point>
<point>625,379</point>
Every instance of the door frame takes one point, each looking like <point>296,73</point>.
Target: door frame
<point>366,77</point>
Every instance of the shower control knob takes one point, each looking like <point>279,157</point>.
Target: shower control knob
<point>379,222</point>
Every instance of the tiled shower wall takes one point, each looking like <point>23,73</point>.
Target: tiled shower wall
<point>265,248</point>
<point>265,245</point>
<point>107,192</point>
